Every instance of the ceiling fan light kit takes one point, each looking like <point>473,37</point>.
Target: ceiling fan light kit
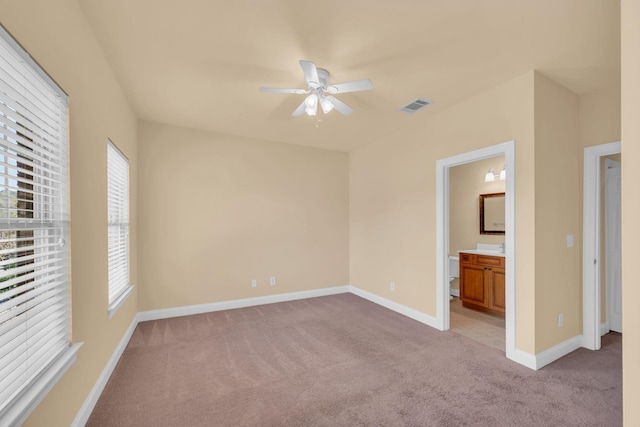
<point>326,104</point>
<point>318,85</point>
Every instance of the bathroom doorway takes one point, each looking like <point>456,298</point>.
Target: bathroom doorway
<point>443,226</point>
<point>476,192</point>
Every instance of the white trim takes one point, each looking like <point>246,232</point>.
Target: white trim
<point>117,303</point>
<point>558,351</point>
<point>442,239</point>
<point>167,313</point>
<point>454,292</point>
<point>394,306</point>
<point>22,408</point>
<point>90,402</point>
<point>527,360</point>
<point>591,243</point>
<point>548,356</point>
<point>604,328</point>
<point>26,56</point>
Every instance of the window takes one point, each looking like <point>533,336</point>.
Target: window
<point>118,226</point>
<point>34,257</point>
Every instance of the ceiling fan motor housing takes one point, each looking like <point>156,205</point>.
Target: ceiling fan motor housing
<point>323,76</point>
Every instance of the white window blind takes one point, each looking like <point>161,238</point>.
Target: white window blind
<point>34,257</point>
<point>118,226</point>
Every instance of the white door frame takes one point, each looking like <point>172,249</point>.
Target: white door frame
<point>442,236</point>
<point>591,243</point>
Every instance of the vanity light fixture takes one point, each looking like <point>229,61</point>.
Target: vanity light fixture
<point>491,175</point>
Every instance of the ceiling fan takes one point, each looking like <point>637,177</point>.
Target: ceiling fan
<point>320,92</point>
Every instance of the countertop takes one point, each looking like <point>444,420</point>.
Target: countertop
<point>482,252</point>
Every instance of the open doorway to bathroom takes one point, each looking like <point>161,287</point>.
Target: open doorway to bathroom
<point>443,226</point>
<point>476,250</point>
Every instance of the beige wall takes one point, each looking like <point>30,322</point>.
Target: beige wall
<point>392,198</point>
<point>630,13</point>
<point>599,118</point>
<point>558,210</point>
<point>221,210</point>
<point>58,37</point>
<point>466,183</point>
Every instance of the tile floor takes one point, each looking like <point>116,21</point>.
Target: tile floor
<point>478,326</point>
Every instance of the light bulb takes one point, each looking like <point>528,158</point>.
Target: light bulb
<point>490,176</point>
<point>311,100</point>
<point>326,105</point>
<point>312,109</point>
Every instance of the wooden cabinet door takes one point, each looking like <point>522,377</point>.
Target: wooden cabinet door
<point>498,299</point>
<point>473,288</point>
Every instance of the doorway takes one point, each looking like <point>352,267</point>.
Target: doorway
<point>613,244</point>
<point>476,190</point>
<point>506,149</point>
<point>592,241</point>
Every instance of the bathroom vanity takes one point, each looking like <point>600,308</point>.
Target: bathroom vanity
<point>482,281</point>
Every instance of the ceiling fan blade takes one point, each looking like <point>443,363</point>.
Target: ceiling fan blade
<point>355,86</point>
<point>300,110</point>
<point>277,89</point>
<point>340,106</point>
<point>310,72</point>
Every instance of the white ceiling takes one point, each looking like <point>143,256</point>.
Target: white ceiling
<point>199,63</point>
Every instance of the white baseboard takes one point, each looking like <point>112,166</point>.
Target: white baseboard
<point>604,328</point>
<point>558,351</point>
<point>398,308</point>
<point>525,359</point>
<point>90,402</point>
<point>167,313</point>
<point>552,354</point>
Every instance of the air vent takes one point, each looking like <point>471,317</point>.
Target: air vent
<point>415,105</point>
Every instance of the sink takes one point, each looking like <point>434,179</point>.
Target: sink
<point>486,249</point>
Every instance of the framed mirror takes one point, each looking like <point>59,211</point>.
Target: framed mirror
<point>492,213</point>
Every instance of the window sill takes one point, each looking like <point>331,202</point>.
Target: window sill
<point>20,410</point>
<point>115,305</point>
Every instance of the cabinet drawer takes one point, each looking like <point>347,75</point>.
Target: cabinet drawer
<point>467,258</point>
<point>491,261</point>
<point>484,260</point>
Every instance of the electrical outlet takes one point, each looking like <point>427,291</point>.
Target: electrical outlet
<point>392,286</point>
<point>254,283</point>
<point>560,320</point>
<point>272,281</point>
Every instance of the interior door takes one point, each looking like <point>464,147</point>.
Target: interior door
<point>613,251</point>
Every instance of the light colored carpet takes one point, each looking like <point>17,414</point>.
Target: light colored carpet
<point>343,361</point>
